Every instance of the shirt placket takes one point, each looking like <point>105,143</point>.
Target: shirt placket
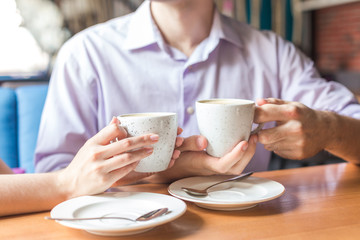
<point>190,87</point>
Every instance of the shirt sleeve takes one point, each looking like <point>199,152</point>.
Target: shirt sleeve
<point>69,115</point>
<point>301,82</point>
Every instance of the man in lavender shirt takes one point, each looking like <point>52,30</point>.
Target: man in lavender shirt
<point>170,53</point>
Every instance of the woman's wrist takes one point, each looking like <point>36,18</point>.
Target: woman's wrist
<point>64,185</point>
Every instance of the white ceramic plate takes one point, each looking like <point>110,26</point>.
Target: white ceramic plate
<point>123,204</point>
<point>230,196</point>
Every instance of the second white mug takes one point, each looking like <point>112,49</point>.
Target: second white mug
<point>224,123</point>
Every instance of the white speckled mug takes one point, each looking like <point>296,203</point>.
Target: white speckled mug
<point>224,123</point>
<point>163,124</point>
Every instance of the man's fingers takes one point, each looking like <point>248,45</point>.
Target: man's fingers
<point>179,141</point>
<point>274,112</point>
<point>288,154</point>
<point>269,110</point>
<point>244,151</point>
<point>176,154</point>
<point>179,130</point>
<point>193,143</point>
<point>247,156</point>
<point>277,101</point>
<point>273,135</point>
<point>171,163</point>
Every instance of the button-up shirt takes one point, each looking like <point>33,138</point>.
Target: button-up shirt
<point>125,66</point>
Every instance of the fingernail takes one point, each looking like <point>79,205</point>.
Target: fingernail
<point>154,137</point>
<point>149,150</point>
<point>246,145</point>
<point>176,154</point>
<point>255,139</point>
<point>179,141</point>
<point>112,120</point>
<point>200,143</point>
<point>123,130</point>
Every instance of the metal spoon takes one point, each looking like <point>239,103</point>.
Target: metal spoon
<point>142,218</point>
<point>204,192</point>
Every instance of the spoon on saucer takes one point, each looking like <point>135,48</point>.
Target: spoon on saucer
<point>145,217</point>
<point>204,192</point>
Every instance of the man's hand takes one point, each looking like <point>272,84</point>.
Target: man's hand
<point>301,132</point>
<point>201,163</point>
<point>194,161</point>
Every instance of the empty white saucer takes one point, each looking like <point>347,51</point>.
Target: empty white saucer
<point>229,196</point>
<point>122,204</point>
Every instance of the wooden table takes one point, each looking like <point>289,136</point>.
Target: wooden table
<point>321,202</point>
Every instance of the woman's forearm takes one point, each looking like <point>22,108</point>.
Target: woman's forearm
<point>23,193</point>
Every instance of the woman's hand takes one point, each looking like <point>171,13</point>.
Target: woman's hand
<point>136,176</point>
<point>99,164</point>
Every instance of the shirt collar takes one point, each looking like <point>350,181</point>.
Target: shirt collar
<point>142,30</point>
<point>224,28</point>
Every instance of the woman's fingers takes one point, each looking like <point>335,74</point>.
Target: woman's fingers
<point>119,173</point>
<point>129,144</point>
<point>131,177</point>
<point>109,133</point>
<point>108,163</point>
<point>124,159</point>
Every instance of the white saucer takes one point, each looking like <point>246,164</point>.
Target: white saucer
<point>123,204</point>
<point>230,196</point>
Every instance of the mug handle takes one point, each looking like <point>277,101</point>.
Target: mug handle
<point>257,129</point>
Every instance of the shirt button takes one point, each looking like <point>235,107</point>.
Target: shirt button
<point>190,110</point>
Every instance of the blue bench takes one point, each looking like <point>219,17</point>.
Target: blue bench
<point>20,113</point>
